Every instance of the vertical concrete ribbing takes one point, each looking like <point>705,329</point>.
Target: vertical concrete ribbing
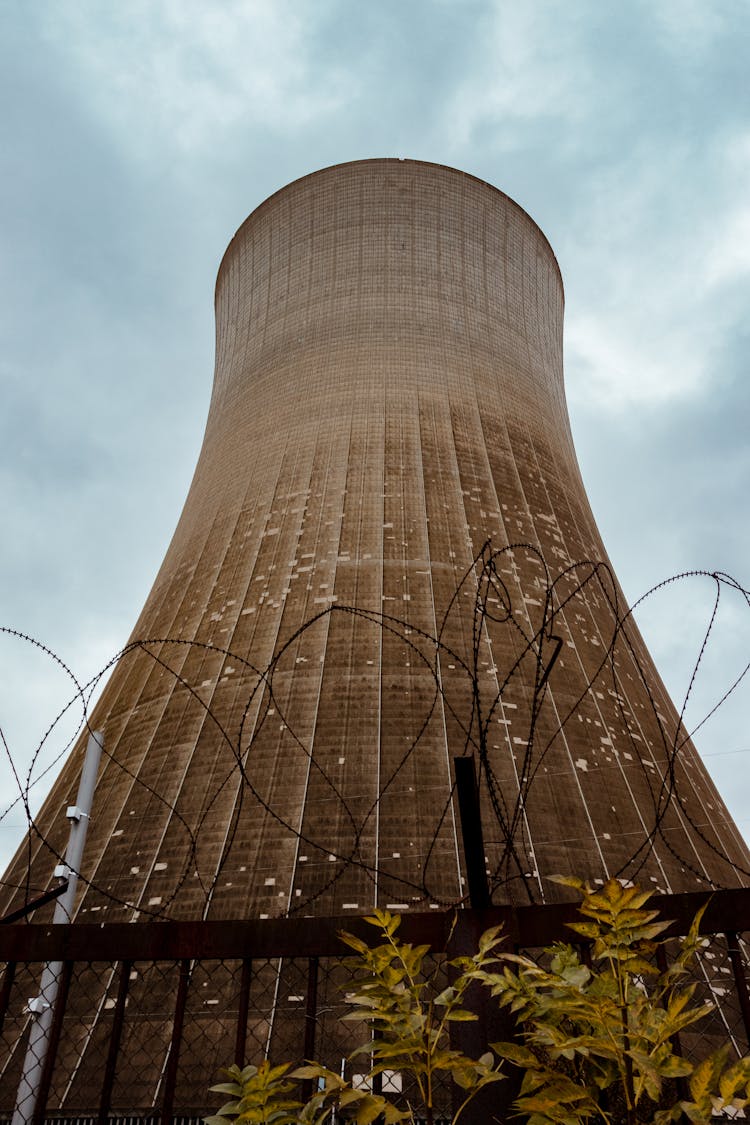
<point>388,353</point>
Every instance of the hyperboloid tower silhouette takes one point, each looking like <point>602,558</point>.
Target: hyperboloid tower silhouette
<point>386,560</point>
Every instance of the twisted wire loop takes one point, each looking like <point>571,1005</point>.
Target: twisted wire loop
<point>458,684</point>
<point>145,1036</point>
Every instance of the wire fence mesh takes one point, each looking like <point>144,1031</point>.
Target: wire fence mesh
<point>142,1039</point>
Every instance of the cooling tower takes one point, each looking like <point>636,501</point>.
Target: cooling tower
<point>386,560</point>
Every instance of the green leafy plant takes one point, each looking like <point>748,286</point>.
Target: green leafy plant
<point>336,1094</point>
<point>260,1094</point>
<point>410,1020</point>
<point>599,1041</point>
<point>597,1037</point>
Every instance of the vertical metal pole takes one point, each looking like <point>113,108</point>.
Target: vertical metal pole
<point>471,831</point>
<point>492,1024</point>
<point>311,1012</point>
<point>740,981</point>
<point>118,1019</point>
<point>311,1020</point>
<point>53,1040</point>
<point>170,1077</point>
<point>8,978</point>
<point>42,1006</point>
<point>243,1007</point>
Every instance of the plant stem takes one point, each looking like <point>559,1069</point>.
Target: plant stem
<point>628,1062</point>
<point>629,1091</point>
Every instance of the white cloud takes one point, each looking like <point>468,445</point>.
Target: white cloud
<point>727,261</point>
<point>607,364</point>
<point>615,126</point>
<point>687,26</point>
<point>182,70</point>
<point>729,258</point>
<point>654,279</point>
<point>524,73</point>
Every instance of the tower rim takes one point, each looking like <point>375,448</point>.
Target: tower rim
<point>384,160</point>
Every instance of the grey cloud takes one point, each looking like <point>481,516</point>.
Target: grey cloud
<point>614,131</point>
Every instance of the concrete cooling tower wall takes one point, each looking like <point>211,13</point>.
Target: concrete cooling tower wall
<point>386,560</point>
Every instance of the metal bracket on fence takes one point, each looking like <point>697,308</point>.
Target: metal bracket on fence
<point>37,1004</point>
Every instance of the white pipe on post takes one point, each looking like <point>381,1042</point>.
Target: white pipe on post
<point>42,1006</point>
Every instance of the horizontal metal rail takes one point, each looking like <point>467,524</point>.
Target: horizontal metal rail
<point>526,926</point>
<point>251,943</point>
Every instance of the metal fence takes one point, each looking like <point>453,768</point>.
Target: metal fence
<point>148,1014</point>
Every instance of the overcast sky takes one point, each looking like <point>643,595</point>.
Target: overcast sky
<point>136,136</point>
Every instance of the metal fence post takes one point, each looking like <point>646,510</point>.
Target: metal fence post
<point>471,832</point>
<point>311,1020</point>
<point>43,1006</point>
<point>170,1078</point>
<point>740,981</point>
<point>8,977</point>
<point>118,1019</point>
<point>493,1024</point>
<point>53,1039</point>
<point>243,1008</point>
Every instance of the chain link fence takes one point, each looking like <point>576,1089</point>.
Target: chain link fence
<point>146,1016</point>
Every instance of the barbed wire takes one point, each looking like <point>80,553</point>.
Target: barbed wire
<point>535,647</point>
